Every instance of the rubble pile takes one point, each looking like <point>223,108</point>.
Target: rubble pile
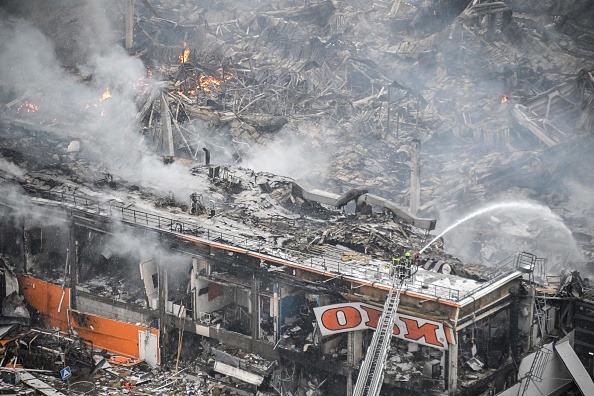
<point>483,85</point>
<point>92,371</point>
<point>482,88</point>
<point>499,93</point>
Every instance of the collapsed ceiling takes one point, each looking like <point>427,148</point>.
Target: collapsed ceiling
<point>499,94</point>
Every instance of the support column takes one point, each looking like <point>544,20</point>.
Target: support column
<point>354,347</point>
<point>388,129</point>
<point>166,125</point>
<point>129,24</point>
<point>354,354</point>
<point>491,20</point>
<point>73,264</point>
<point>276,310</point>
<point>531,323</point>
<point>453,367</point>
<point>255,300</point>
<point>162,301</point>
<point>415,177</point>
<point>26,248</point>
<point>349,384</point>
<point>203,267</point>
<point>194,291</point>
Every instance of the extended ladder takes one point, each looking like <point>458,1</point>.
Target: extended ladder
<point>371,374</point>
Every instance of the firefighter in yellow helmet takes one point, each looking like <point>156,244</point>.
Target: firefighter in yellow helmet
<point>395,265</point>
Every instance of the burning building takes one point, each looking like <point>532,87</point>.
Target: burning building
<point>222,197</point>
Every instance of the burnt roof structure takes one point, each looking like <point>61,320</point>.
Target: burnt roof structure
<point>240,172</point>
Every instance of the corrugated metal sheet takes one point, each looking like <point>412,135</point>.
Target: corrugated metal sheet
<point>243,375</point>
<point>575,367</point>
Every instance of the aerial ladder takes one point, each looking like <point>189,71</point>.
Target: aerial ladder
<point>371,374</point>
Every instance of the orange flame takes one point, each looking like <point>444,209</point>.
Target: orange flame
<point>106,95</point>
<point>28,107</point>
<point>206,83</point>
<point>504,99</point>
<point>183,58</point>
<point>209,83</point>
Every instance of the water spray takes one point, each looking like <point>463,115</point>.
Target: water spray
<point>525,205</point>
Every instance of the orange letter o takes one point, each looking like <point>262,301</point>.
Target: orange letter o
<point>341,318</point>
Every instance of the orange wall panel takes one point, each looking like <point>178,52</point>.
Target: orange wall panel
<point>45,297</point>
<point>113,335</point>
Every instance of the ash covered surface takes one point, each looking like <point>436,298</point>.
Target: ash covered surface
<point>500,94</point>
<point>272,87</point>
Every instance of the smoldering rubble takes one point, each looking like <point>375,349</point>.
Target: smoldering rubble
<point>216,112</point>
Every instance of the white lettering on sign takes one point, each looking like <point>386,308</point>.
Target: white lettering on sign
<point>340,318</point>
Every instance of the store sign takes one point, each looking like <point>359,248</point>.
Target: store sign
<point>340,318</point>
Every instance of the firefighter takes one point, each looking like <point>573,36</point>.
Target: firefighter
<point>395,265</point>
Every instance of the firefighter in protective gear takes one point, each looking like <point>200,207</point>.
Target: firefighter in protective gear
<point>395,265</point>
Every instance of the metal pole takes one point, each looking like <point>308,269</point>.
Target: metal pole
<point>415,177</point>
<point>129,24</point>
<point>398,119</point>
<point>389,105</point>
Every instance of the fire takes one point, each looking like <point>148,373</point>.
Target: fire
<point>504,99</point>
<point>205,83</point>
<point>106,95</point>
<point>208,83</point>
<point>183,58</point>
<point>28,107</point>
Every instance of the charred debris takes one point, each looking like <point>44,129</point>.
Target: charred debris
<point>150,243</point>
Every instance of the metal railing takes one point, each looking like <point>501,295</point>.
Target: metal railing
<point>332,266</point>
<point>504,268</point>
<point>429,289</point>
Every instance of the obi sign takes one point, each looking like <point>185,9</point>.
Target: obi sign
<point>340,318</point>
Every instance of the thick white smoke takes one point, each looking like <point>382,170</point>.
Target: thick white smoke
<point>74,102</point>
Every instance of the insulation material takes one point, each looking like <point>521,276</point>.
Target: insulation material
<point>150,276</point>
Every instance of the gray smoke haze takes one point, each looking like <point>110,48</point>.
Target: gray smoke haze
<point>107,128</point>
<point>12,197</point>
<point>446,65</point>
<point>127,243</point>
<point>11,169</point>
<point>559,178</point>
<point>293,152</point>
<point>493,231</point>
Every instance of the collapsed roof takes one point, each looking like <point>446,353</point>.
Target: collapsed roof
<point>484,87</point>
